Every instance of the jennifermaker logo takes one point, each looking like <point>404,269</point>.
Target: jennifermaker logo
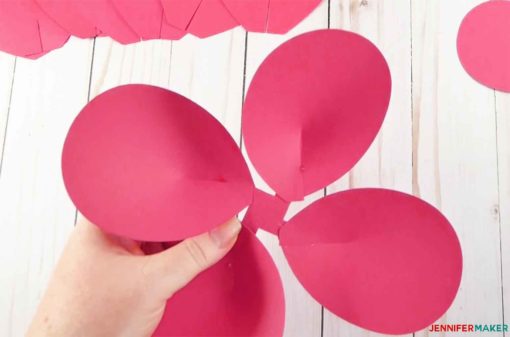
<point>468,328</point>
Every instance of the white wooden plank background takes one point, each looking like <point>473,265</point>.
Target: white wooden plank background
<point>36,216</point>
<point>446,139</point>
<point>455,158</point>
<point>503,145</point>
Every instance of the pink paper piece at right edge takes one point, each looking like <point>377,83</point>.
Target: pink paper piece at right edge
<point>241,295</point>
<point>313,108</point>
<point>146,163</point>
<point>483,44</point>
<point>383,260</point>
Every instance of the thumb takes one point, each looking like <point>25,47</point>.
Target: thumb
<point>173,268</point>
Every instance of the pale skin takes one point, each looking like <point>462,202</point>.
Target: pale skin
<point>106,286</point>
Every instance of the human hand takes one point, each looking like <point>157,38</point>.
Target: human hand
<point>107,286</point>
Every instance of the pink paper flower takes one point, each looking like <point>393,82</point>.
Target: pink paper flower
<point>160,168</point>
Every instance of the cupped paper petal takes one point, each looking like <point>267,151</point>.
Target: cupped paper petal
<point>483,44</point>
<point>383,260</point>
<point>313,108</point>
<point>148,164</point>
<point>242,295</point>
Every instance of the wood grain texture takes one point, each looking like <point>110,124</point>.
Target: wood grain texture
<point>454,155</point>
<point>210,72</point>
<point>388,162</point>
<point>7,66</point>
<point>36,214</point>
<point>146,62</point>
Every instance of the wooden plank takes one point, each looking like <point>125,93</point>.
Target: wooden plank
<point>388,162</point>
<point>303,313</point>
<point>503,146</point>
<point>146,62</point>
<point>455,159</point>
<point>7,66</point>
<point>210,72</point>
<point>36,213</point>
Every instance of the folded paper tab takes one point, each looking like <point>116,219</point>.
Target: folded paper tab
<point>265,212</point>
<point>313,108</point>
<point>67,16</point>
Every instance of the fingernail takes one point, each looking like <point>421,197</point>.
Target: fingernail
<point>223,235</point>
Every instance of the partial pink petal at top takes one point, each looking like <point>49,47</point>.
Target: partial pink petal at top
<point>179,13</point>
<point>68,17</point>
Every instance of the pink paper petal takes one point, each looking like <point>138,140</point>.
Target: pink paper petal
<point>68,17</point>
<point>272,16</point>
<point>313,108</point>
<point>483,44</point>
<point>105,17</point>
<point>148,164</point>
<point>147,19</point>
<point>383,260</point>
<point>36,56</point>
<point>242,295</point>
<point>251,14</point>
<point>20,32</point>
<point>169,32</point>
<point>211,18</point>
<point>27,31</point>
<point>144,17</point>
<point>179,13</point>
<point>285,14</point>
